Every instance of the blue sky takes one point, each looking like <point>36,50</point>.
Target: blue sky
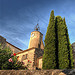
<point>19,17</point>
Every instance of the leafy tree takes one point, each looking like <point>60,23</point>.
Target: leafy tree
<point>49,57</point>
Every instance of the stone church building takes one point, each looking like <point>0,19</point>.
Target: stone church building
<point>34,52</point>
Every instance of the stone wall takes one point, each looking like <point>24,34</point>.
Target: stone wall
<point>42,45</point>
<point>38,72</point>
<point>2,42</point>
<point>32,54</point>
<point>13,48</point>
<point>30,57</point>
<point>38,53</point>
<point>36,40</point>
<point>39,60</point>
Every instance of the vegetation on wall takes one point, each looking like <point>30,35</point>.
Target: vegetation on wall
<point>57,51</point>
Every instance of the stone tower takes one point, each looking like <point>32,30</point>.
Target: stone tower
<point>36,39</point>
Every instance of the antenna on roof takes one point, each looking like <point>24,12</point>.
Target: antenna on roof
<point>37,28</point>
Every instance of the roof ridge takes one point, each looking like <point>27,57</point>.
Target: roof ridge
<point>26,50</point>
<point>14,46</point>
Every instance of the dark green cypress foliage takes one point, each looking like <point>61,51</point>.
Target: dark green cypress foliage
<point>70,54</point>
<point>62,44</point>
<point>71,57</point>
<point>57,50</point>
<point>49,57</point>
<point>56,43</point>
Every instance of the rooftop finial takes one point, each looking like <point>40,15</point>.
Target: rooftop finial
<point>37,27</point>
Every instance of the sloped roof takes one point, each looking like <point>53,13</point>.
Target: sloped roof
<point>14,46</point>
<point>26,50</point>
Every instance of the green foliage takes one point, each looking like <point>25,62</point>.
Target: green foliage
<point>62,44</point>
<point>69,47</point>
<point>16,65</point>
<point>49,57</point>
<point>57,50</point>
<point>4,55</point>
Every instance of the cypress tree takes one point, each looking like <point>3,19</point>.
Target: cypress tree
<point>63,52</point>
<point>71,57</point>
<point>70,54</point>
<point>49,56</point>
<point>56,43</point>
<point>57,50</point>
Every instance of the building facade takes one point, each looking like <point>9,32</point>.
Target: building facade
<point>34,52</point>
<point>4,44</point>
<point>33,55</point>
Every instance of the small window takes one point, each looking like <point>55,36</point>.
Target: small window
<point>25,56</point>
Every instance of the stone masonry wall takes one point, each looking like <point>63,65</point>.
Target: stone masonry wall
<point>38,53</point>
<point>30,57</point>
<point>38,72</point>
<point>40,63</point>
<point>2,42</point>
<point>13,48</point>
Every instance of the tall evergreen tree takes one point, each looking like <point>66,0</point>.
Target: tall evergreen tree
<point>70,54</point>
<point>62,44</point>
<point>49,57</point>
<point>57,50</point>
